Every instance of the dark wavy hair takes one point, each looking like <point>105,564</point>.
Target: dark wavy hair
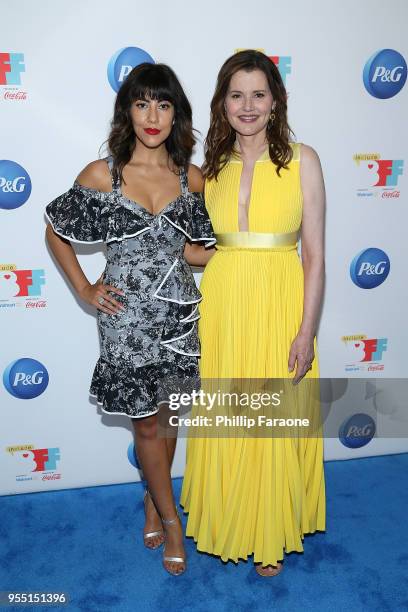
<point>156,82</point>
<point>219,144</point>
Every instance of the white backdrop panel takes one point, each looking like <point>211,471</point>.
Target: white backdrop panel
<point>59,128</point>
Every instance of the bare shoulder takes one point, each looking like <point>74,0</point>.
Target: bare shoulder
<point>308,156</point>
<point>195,178</point>
<point>311,178</point>
<point>96,175</point>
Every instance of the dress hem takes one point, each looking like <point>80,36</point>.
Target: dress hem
<point>236,560</point>
<point>131,416</point>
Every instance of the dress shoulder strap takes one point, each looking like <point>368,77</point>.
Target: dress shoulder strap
<point>296,151</point>
<point>183,182</point>
<point>115,181</point>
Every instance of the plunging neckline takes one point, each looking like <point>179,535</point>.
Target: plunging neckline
<point>183,191</point>
<point>262,157</point>
<point>138,205</point>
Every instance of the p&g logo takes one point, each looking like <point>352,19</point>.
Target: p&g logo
<point>132,456</point>
<point>25,378</point>
<point>15,185</point>
<point>369,268</point>
<point>385,73</point>
<point>357,430</point>
<point>123,62</point>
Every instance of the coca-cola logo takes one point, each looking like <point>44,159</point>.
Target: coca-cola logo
<point>51,477</point>
<point>39,304</point>
<point>15,95</point>
<point>391,194</point>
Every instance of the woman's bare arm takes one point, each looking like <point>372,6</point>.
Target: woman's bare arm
<point>92,176</point>
<point>197,254</point>
<point>312,235</point>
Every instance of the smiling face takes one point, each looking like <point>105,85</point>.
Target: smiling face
<point>249,102</point>
<point>152,121</point>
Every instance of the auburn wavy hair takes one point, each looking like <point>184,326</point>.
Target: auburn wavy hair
<point>154,82</point>
<point>220,140</point>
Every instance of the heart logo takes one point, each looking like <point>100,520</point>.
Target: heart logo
<point>371,166</point>
<point>7,276</point>
<point>25,455</point>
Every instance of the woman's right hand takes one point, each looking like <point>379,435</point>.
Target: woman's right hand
<point>98,295</point>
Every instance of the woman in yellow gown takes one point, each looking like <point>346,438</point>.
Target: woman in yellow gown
<point>245,495</point>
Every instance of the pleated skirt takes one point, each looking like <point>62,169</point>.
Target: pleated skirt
<point>252,496</point>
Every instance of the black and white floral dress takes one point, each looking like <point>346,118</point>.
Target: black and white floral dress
<point>155,337</point>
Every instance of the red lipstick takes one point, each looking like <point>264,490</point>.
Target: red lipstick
<point>152,131</point>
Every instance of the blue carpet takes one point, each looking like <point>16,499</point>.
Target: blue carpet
<point>88,543</point>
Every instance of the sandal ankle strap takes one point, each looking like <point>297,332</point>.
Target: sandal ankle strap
<point>171,521</point>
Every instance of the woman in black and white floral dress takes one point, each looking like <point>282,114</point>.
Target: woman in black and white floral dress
<point>147,300</point>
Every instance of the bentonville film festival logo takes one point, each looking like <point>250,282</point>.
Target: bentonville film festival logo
<point>35,463</point>
<point>12,66</point>
<point>21,288</point>
<point>378,178</point>
<point>364,354</point>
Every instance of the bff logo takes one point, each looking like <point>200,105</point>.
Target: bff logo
<point>25,378</point>
<point>384,172</point>
<point>122,63</point>
<point>370,349</point>
<point>363,349</point>
<point>20,283</point>
<point>385,73</point>
<point>364,354</point>
<point>37,459</point>
<point>378,177</point>
<point>11,67</point>
<point>283,64</point>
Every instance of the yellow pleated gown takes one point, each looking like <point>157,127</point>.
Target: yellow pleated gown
<point>253,496</point>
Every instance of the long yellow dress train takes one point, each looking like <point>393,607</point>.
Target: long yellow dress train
<point>249,495</point>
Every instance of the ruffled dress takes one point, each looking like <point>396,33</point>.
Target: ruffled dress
<point>155,338</point>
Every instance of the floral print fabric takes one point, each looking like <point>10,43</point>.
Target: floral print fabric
<point>155,337</point>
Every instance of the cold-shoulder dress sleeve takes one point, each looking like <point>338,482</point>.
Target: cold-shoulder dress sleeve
<point>83,214</point>
<point>201,227</point>
<point>76,214</point>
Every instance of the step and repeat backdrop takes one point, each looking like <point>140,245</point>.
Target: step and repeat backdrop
<point>61,65</point>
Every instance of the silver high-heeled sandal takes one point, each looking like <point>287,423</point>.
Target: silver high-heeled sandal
<point>147,537</point>
<point>179,560</point>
